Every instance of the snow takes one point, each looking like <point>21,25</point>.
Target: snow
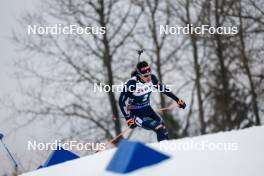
<point>239,153</point>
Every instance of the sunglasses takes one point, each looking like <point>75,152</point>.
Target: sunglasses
<point>146,75</point>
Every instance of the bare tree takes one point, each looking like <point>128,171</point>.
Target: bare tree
<point>182,11</point>
<point>76,63</point>
<point>245,62</point>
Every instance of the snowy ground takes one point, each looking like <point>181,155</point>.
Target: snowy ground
<point>235,153</point>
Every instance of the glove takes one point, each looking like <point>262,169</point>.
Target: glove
<point>131,123</point>
<point>181,103</point>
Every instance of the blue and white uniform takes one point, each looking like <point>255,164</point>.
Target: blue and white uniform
<point>138,92</point>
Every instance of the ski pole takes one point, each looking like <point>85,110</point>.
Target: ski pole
<point>166,108</point>
<point>127,129</point>
<point>116,137</point>
<point>9,153</point>
<point>156,110</point>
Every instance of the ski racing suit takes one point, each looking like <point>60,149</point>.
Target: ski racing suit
<point>137,92</point>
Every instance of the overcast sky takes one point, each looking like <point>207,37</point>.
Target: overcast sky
<point>10,11</point>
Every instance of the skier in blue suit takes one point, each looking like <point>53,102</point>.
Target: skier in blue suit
<point>138,111</point>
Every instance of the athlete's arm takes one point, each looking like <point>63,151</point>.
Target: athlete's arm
<point>127,90</point>
<point>163,89</point>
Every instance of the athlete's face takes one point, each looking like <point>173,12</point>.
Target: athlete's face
<point>145,78</point>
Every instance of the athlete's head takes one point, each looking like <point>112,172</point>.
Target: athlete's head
<point>144,71</point>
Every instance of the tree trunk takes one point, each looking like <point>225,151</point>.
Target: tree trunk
<point>247,69</point>
<point>224,79</point>
<point>197,73</point>
<point>107,58</point>
<point>171,124</point>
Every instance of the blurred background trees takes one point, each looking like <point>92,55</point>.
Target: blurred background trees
<point>219,76</point>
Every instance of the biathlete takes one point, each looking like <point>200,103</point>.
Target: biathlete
<point>138,111</point>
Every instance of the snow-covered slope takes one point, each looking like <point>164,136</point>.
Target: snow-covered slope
<point>235,153</point>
